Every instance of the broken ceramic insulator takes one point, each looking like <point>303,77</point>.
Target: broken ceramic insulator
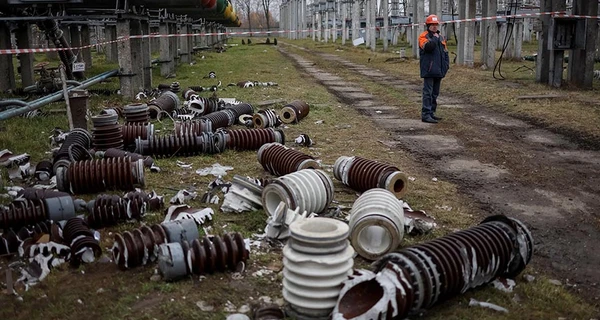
<point>37,194</point>
<point>240,109</point>
<point>203,106</point>
<point>243,195</point>
<point>192,127</point>
<point>107,210</point>
<point>43,170</point>
<point>82,241</point>
<point>294,112</point>
<point>280,160</point>
<point>137,113</point>
<point>362,174</point>
<point>99,175</point>
<point>266,119</point>
<point>180,145</point>
<point>189,94</point>
<point>75,148</point>
<point>20,213</point>
<point>132,131</point>
<point>167,102</point>
<point>220,119</point>
<point>206,255</point>
<point>317,259</point>
<point>417,277</point>
<point>253,139</point>
<point>376,223</point>
<point>307,190</point>
<point>117,153</point>
<point>107,132</point>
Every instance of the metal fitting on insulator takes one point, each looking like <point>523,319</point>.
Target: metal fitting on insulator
<point>192,127</point>
<point>266,119</point>
<point>117,153</point>
<point>82,240</point>
<point>75,148</point>
<point>168,101</point>
<point>253,139</point>
<point>92,176</point>
<point>137,113</point>
<point>294,112</point>
<point>220,119</point>
<point>376,223</point>
<point>280,160</point>
<point>362,174</point>
<point>43,170</point>
<point>307,190</point>
<point>107,132</point>
<point>417,277</point>
<point>132,131</point>
<point>181,145</point>
<point>318,249</point>
<point>202,256</point>
<point>189,94</point>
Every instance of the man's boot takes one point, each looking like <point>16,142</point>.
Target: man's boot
<point>436,117</point>
<point>429,119</point>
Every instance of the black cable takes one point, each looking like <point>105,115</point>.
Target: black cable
<point>507,38</point>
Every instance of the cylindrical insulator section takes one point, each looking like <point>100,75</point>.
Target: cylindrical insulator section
<point>417,277</point>
<point>203,256</point>
<point>220,119</point>
<point>307,190</point>
<point>376,223</point>
<point>163,86</point>
<point>197,88</point>
<point>107,210</point>
<point>84,246</point>
<point>294,112</point>
<point>43,170</point>
<point>175,87</point>
<point>241,109</point>
<point>73,149</point>
<point>37,229</point>
<point>138,247</point>
<point>253,139</point>
<point>22,213</point>
<point>316,260</point>
<point>188,93</point>
<point>203,106</point>
<point>192,127</point>
<point>117,153</point>
<point>107,132</point>
<point>40,194</point>
<point>181,145</point>
<point>168,101</point>
<point>280,160</point>
<point>137,113</point>
<point>362,174</point>
<point>132,131</point>
<point>266,119</point>
<point>99,175</point>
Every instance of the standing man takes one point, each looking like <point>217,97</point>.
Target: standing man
<point>434,65</point>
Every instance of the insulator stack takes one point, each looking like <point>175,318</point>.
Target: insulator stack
<point>280,160</point>
<point>74,148</point>
<point>192,127</point>
<point>168,101</point>
<point>203,256</point>
<point>253,139</point>
<point>43,170</point>
<point>107,210</point>
<point>181,145</point>
<point>84,246</point>
<point>92,176</point>
<point>107,132</point>
<point>40,194</point>
<point>294,112</point>
<point>362,174</point>
<point>117,153</point>
<point>266,119</point>
<point>175,87</point>
<point>20,213</point>
<point>241,109</point>
<point>417,277</point>
<point>197,88</point>
<point>132,131</point>
<point>189,94</point>
<point>137,113</point>
<point>11,241</point>
<point>203,106</point>
<point>220,119</point>
<point>112,111</point>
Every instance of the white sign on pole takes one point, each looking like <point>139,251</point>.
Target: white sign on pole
<point>78,66</point>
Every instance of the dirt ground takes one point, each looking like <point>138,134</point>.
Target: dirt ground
<point>508,166</point>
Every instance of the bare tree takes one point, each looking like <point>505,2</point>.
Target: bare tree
<point>266,4</point>
<point>246,7</point>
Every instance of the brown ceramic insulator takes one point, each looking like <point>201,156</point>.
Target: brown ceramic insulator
<point>35,230</point>
<point>266,119</point>
<point>76,227</point>
<point>92,176</point>
<point>294,112</point>
<point>208,255</point>
<point>153,202</point>
<point>220,119</point>
<point>118,110</point>
<point>117,153</point>
<point>194,127</point>
<point>108,210</point>
<point>280,160</point>
<point>240,109</point>
<point>9,242</point>
<point>79,245</point>
<point>43,170</point>
<point>365,174</point>
<point>175,87</point>
<point>22,213</point>
<point>188,93</point>
<point>252,139</point>
<point>164,86</point>
<point>167,101</point>
<point>202,106</point>
<point>167,146</point>
<point>132,131</point>
<point>107,132</point>
<point>74,148</point>
<point>138,247</point>
<point>40,194</point>
<point>137,113</point>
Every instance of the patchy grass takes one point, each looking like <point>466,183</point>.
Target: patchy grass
<point>131,295</point>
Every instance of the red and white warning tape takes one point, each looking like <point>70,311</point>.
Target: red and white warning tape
<point>558,14</point>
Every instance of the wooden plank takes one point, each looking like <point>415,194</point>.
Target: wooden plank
<point>541,96</point>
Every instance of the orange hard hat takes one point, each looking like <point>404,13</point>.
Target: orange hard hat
<point>432,19</point>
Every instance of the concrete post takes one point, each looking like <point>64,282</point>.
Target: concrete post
<point>435,7</point>
<point>581,60</point>
<point>184,45</point>
<point>110,32</point>
<point>489,35</point>
<point>344,28</point>
<point>373,29</point>
<point>66,33</point>
<point>470,34</point>
<point>154,42</point>
<point>517,43</point>
<point>527,26</point>
<point>542,64</point>
<point>174,50</point>
<point>355,19</point>
<point>7,80</point>
<point>326,26</point>
<point>166,58</point>
<point>314,29</point>
<point>76,42</point>
<point>24,41</point>
<point>190,41</point>
<point>146,55</point>
<point>130,57</point>
<point>303,18</point>
<point>85,41</point>
<point>386,24</point>
<point>461,26</point>
<point>335,21</point>
<point>502,30</point>
<point>367,8</point>
<point>418,18</point>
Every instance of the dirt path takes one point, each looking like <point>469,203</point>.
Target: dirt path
<point>506,165</point>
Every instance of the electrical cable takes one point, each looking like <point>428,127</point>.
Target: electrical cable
<point>507,38</point>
